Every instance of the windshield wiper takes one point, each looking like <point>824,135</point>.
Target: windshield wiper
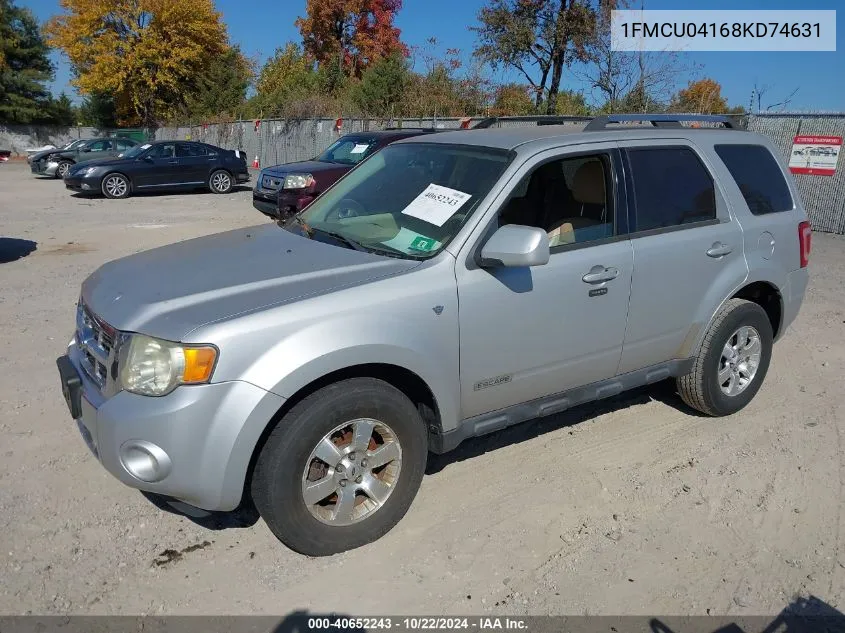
<point>340,238</point>
<point>389,251</point>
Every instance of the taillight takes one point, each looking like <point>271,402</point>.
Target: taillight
<point>805,236</point>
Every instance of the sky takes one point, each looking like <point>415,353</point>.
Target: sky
<point>260,26</point>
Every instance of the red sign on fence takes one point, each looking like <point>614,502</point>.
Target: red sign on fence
<point>815,155</point>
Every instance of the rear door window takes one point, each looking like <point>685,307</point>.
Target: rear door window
<point>758,176</point>
<point>189,149</point>
<point>671,188</point>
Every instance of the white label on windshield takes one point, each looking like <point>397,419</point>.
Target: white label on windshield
<point>359,148</point>
<point>436,204</point>
<point>147,146</point>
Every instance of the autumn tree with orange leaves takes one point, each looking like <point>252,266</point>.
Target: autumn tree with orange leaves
<point>703,96</point>
<point>351,34</point>
<point>145,53</point>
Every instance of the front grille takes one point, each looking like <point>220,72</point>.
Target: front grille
<point>96,340</point>
<point>271,183</point>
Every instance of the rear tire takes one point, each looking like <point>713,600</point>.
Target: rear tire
<point>115,186</point>
<point>732,362</point>
<point>220,181</point>
<point>62,168</point>
<point>351,424</point>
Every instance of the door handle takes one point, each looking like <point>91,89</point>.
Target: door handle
<point>173,162</point>
<point>719,250</point>
<point>600,274</point>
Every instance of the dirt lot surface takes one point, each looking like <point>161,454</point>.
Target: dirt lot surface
<point>632,506</point>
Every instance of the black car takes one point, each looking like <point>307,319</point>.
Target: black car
<point>159,166</point>
<point>57,162</point>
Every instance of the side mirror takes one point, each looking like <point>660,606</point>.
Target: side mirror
<point>86,149</point>
<point>148,158</point>
<point>515,246</point>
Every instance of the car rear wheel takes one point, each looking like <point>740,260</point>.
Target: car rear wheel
<point>220,181</point>
<point>732,362</point>
<point>341,468</point>
<point>62,168</point>
<point>115,186</point>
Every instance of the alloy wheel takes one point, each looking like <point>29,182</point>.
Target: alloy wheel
<point>739,360</point>
<point>116,186</point>
<point>351,472</point>
<point>221,181</point>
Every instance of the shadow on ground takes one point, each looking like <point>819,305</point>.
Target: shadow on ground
<point>158,194</point>
<point>664,392</point>
<point>13,249</point>
<point>803,615</point>
<point>243,517</point>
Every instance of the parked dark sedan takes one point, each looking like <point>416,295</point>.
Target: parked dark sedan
<point>282,190</point>
<point>57,162</point>
<point>159,166</point>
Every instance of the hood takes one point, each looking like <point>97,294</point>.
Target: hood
<point>98,162</point>
<point>306,167</point>
<point>169,291</point>
<point>45,153</point>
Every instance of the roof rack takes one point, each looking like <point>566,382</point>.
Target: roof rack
<point>601,122</point>
<point>658,120</point>
<point>541,119</point>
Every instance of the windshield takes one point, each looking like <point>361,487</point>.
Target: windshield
<point>348,151</point>
<point>407,200</point>
<point>136,150</point>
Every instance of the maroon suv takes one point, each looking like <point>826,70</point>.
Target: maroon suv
<point>282,190</point>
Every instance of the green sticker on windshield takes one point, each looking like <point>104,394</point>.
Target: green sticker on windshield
<point>421,243</point>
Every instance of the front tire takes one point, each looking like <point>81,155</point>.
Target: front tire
<point>220,181</point>
<point>115,186</point>
<point>732,362</point>
<point>341,468</point>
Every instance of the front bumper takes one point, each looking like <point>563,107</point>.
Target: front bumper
<point>280,204</point>
<point>265,201</point>
<point>201,437</point>
<point>43,168</point>
<point>87,184</point>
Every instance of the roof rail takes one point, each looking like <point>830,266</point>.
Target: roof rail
<point>658,120</point>
<point>541,119</point>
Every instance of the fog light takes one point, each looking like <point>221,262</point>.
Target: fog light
<point>145,461</point>
<point>86,185</point>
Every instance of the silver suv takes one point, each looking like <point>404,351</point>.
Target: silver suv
<point>449,286</point>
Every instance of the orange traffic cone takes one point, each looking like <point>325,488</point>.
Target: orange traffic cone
<point>255,162</point>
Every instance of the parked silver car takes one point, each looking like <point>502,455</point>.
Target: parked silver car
<point>448,286</point>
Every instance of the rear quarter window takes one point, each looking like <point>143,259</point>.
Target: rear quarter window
<point>758,176</point>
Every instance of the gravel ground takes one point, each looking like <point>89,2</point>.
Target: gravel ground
<point>630,506</point>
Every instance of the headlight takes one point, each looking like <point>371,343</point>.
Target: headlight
<point>87,171</point>
<point>153,367</point>
<point>298,181</point>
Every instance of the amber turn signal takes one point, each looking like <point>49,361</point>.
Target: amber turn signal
<point>199,362</point>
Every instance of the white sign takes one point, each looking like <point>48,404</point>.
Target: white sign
<point>359,148</point>
<point>815,155</point>
<point>436,204</point>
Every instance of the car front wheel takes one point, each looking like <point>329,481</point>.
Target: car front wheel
<point>220,181</point>
<point>341,468</point>
<point>115,186</point>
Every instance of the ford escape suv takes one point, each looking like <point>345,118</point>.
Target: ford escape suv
<point>448,286</point>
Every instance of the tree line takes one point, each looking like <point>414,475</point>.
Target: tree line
<point>151,62</point>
